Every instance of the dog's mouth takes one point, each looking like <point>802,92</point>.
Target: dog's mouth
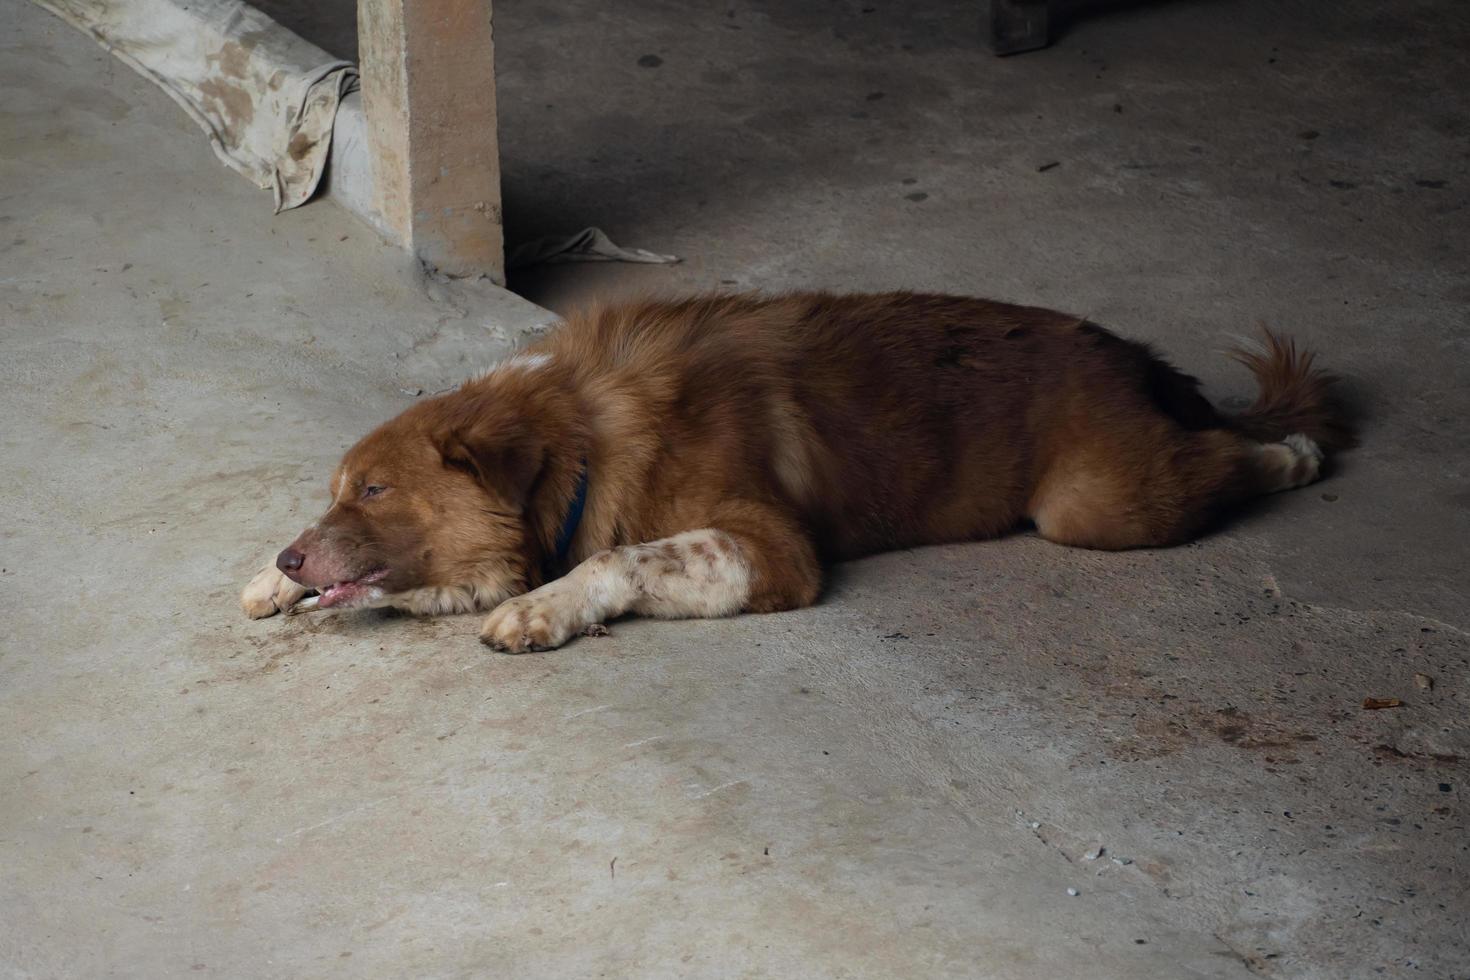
<point>350,593</point>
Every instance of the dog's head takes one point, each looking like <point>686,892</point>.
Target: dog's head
<point>435,499</point>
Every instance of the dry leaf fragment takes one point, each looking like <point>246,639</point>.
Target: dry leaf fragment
<point>1373,704</point>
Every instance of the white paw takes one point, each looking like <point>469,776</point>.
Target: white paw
<point>539,620</point>
<point>1307,466</point>
<point>270,592</point>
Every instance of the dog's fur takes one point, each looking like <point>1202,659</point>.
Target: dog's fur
<point>733,444</point>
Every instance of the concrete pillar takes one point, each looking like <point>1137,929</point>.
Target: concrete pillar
<point>428,88</point>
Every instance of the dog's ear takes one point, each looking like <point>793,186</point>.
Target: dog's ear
<point>505,457</point>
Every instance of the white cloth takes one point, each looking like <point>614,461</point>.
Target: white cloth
<point>587,245</point>
<point>265,97</point>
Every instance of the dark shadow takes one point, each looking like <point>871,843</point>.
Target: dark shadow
<point>678,126</point>
<point>1359,401</point>
<point>1069,15</point>
<point>329,24</point>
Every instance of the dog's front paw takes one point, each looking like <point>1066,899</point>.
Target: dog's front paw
<point>270,592</point>
<point>539,620</point>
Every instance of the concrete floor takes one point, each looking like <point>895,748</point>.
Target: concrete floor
<point>903,781</point>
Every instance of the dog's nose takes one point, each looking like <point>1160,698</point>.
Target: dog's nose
<point>289,560</point>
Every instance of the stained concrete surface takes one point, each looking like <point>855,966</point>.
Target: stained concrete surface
<point>903,781</point>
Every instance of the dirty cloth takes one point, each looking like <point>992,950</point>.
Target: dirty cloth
<point>587,245</point>
<point>265,98</point>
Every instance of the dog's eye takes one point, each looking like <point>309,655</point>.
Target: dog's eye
<point>371,491</point>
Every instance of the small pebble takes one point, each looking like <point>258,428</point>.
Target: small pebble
<point>1034,824</point>
<point>1072,892</point>
<point>1423,681</point>
<point>1093,854</point>
<point>1121,861</point>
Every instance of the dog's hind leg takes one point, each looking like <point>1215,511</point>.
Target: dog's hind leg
<point>750,560</point>
<point>1163,488</point>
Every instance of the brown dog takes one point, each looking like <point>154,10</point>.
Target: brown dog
<point>705,457</point>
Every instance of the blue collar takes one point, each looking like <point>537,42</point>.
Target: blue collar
<point>573,519</point>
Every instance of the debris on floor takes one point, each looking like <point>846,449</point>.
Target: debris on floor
<point>587,245</point>
<point>1375,704</point>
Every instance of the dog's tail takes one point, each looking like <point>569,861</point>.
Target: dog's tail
<point>1294,396</point>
